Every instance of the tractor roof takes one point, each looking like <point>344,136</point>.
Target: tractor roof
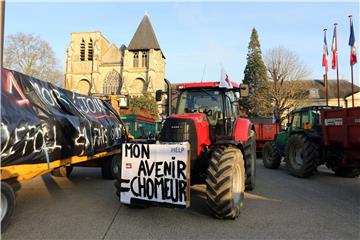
<point>202,85</point>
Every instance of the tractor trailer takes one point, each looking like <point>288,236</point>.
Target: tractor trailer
<point>48,129</point>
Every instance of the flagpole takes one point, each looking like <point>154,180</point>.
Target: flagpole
<point>326,87</point>
<point>352,85</point>
<point>352,71</point>
<point>337,67</point>
<point>326,78</point>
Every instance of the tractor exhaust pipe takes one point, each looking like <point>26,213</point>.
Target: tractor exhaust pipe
<point>168,96</point>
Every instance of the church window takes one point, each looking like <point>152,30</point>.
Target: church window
<point>136,59</point>
<point>90,50</point>
<point>112,83</point>
<point>82,50</point>
<point>145,59</point>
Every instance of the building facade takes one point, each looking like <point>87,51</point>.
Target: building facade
<point>96,66</point>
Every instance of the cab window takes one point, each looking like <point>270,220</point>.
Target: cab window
<point>305,118</point>
<point>316,117</point>
<point>296,121</point>
<point>229,107</point>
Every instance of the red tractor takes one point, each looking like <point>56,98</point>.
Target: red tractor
<point>222,145</point>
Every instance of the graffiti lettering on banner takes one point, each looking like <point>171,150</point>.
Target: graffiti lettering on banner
<point>156,173</point>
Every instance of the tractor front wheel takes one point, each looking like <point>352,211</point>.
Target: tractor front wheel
<point>271,155</point>
<point>225,183</point>
<point>301,155</point>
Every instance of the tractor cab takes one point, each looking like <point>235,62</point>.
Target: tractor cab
<point>218,106</point>
<point>306,118</point>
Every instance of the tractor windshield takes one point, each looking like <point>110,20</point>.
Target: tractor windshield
<point>200,101</point>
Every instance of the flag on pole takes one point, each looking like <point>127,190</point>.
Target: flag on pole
<point>325,53</point>
<point>352,44</point>
<point>334,49</point>
<point>224,79</point>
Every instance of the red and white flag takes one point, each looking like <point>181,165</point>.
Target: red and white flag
<point>334,49</point>
<point>224,80</point>
<point>325,54</point>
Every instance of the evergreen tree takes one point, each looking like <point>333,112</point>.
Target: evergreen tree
<point>259,102</point>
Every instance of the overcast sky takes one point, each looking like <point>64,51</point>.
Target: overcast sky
<point>197,37</point>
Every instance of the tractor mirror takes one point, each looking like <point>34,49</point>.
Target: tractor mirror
<point>244,90</point>
<point>158,95</point>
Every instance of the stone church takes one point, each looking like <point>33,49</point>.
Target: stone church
<point>96,66</point>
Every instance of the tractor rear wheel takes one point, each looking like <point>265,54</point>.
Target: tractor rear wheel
<point>250,156</point>
<point>225,183</point>
<point>301,155</point>
<point>271,155</point>
<point>347,172</point>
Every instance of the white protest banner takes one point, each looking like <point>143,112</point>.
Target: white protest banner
<point>159,173</point>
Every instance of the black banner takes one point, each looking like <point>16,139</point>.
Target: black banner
<point>40,120</point>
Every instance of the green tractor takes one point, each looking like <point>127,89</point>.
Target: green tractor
<point>300,144</point>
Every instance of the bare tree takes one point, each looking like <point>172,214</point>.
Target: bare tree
<point>33,56</point>
<point>286,74</point>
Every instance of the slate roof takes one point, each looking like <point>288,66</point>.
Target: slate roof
<point>144,37</point>
<point>344,88</point>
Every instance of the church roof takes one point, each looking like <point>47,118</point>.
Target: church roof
<point>144,37</point>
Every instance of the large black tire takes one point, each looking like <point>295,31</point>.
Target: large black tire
<point>7,204</point>
<point>110,167</point>
<point>271,155</point>
<point>250,156</point>
<point>225,183</point>
<point>63,171</point>
<point>347,172</point>
<point>301,155</point>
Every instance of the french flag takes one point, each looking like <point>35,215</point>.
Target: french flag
<point>325,54</point>
<point>224,79</point>
<point>334,50</point>
<point>352,44</point>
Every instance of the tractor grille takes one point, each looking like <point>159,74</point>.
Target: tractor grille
<point>180,130</point>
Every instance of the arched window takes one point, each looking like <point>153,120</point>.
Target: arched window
<point>136,59</point>
<point>90,50</point>
<point>112,83</point>
<point>82,50</point>
<point>144,59</point>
